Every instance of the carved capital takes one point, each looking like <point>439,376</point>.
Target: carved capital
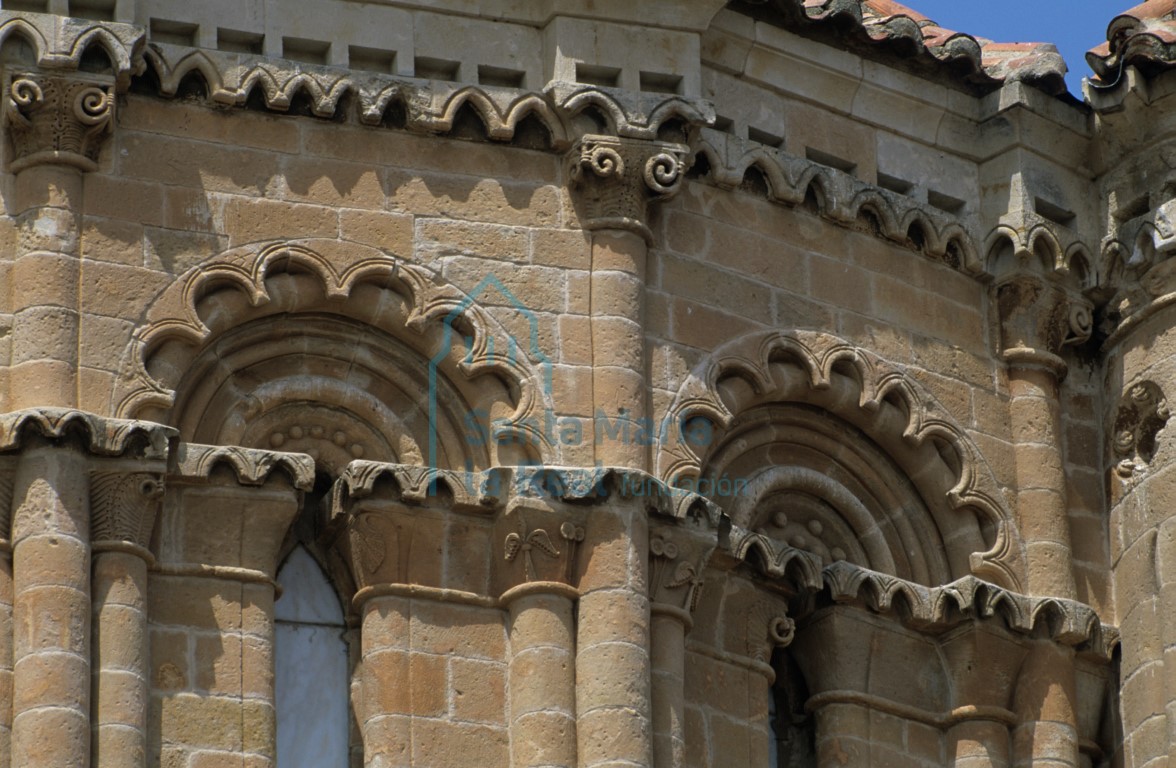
<point>54,120</point>
<point>124,507</point>
<point>1142,413</point>
<point>1038,319</point>
<point>617,178</point>
<point>540,544</point>
<point>676,564</point>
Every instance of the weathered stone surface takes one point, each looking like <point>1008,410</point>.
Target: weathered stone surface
<point>630,371</point>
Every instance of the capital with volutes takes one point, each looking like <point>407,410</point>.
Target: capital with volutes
<point>1038,319</point>
<point>615,179</point>
<point>57,119</point>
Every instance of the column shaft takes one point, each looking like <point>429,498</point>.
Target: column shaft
<point>45,279</point>
<point>120,691</point>
<point>6,640</point>
<point>1041,480</point>
<point>978,744</point>
<point>51,609</point>
<point>618,349</point>
<point>542,675</point>
<point>668,657</point>
<point>1046,735</point>
<point>613,714</point>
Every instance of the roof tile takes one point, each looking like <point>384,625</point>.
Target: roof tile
<point>1144,37</point>
<point>911,34</point>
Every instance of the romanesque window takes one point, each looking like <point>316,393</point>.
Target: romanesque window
<point>311,668</point>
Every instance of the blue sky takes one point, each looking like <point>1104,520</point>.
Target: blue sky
<point>1075,26</point>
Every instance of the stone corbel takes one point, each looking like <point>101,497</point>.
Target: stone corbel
<point>616,179</point>
<point>1038,319</point>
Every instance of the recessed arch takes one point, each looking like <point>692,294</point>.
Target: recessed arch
<point>339,351</point>
<point>810,422</point>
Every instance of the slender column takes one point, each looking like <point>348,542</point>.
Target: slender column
<point>1038,318</point>
<point>542,675</point>
<point>617,306</point>
<point>6,639</point>
<point>384,714</point>
<point>616,179</point>
<point>7,468</point>
<point>1046,701</point>
<point>979,744</point>
<point>676,561</point>
<point>613,713</point>
<point>983,664</point>
<point>668,655</point>
<point>51,609</point>
<point>56,126</point>
<point>125,506</point>
<point>1041,479</point>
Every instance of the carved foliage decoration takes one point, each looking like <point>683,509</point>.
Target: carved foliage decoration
<point>57,120</point>
<point>124,506</point>
<point>822,371</point>
<point>1038,314</point>
<point>1142,413</point>
<point>528,542</point>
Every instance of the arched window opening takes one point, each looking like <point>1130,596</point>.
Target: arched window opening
<point>793,732</point>
<point>311,668</point>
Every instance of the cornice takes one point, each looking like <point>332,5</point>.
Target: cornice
<point>59,43</point>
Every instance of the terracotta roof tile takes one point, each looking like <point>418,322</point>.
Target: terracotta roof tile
<point>912,35</point>
<point>1144,37</point>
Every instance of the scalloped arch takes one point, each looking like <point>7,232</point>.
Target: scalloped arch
<point>822,358</point>
<point>340,270</point>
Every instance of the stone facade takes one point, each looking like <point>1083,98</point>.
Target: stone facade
<point>683,383</point>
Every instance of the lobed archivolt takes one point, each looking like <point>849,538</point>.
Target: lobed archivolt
<point>437,313</point>
<point>823,357</point>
